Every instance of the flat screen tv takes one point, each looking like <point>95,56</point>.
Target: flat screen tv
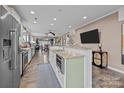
<point>91,36</point>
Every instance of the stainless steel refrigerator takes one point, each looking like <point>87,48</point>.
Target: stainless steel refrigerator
<point>9,50</point>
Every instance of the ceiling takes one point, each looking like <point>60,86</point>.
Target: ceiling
<point>65,14</point>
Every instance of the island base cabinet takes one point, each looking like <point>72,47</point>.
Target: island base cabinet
<point>74,70</point>
<point>74,77</point>
<point>52,60</point>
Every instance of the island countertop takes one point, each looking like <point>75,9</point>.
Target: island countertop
<point>66,54</point>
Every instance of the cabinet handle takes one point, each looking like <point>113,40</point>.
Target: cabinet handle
<point>3,54</point>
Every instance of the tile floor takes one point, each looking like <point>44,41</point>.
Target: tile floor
<point>29,78</point>
<point>106,78</point>
<point>102,78</point>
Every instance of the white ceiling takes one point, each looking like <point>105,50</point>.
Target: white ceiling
<point>70,15</point>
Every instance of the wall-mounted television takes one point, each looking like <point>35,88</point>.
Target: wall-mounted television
<point>91,36</point>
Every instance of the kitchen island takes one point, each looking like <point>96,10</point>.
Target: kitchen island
<point>73,67</point>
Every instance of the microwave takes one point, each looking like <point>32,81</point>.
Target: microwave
<point>60,63</point>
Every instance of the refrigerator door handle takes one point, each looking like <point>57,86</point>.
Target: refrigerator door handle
<point>3,54</point>
<point>13,38</point>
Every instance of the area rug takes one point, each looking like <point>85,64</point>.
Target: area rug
<point>46,77</point>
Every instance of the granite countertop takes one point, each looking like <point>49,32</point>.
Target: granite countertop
<point>65,54</point>
<point>76,47</point>
<point>22,50</point>
<point>26,48</point>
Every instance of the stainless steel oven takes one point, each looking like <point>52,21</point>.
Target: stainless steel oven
<point>60,63</point>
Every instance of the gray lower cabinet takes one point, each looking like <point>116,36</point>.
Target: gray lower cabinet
<point>74,73</point>
<point>9,56</point>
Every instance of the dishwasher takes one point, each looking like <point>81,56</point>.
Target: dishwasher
<point>23,61</point>
<point>21,67</point>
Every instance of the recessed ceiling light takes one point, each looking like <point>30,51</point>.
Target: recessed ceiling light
<point>60,10</point>
<point>51,24</point>
<point>35,22</point>
<point>69,26</point>
<point>85,17</point>
<point>54,19</point>
<point>35,18</point>
<point>32,12</point>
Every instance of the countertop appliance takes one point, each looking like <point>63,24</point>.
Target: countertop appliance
<point>60,63</point>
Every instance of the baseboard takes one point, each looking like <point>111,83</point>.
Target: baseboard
<point>117,70</point>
